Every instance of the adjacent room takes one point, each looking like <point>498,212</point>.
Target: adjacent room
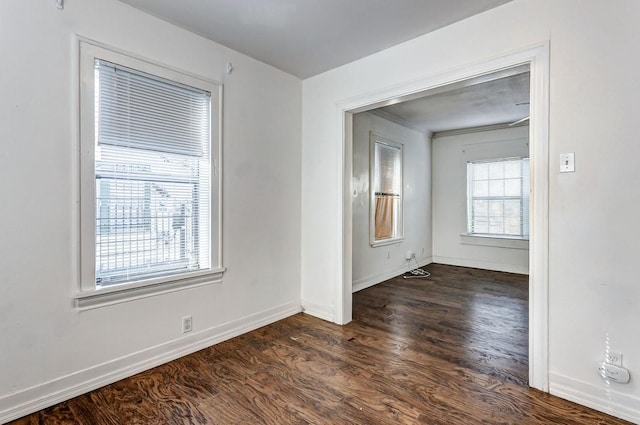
<point>444,178</point>
<point>209,207</point>
<point>421,186</point>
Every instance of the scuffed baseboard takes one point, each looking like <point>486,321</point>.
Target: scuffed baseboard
<point>16,405</point>
<point>364,283</point>
<point>315,310</point>
<point>603,398</point>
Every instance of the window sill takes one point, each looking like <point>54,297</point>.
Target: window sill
<point>386,242</point>
<point>494,241</point>
<point>123,293</point>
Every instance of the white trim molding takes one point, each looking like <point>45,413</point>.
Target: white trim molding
<point>536,58</point>
<point>41,396</point>
<point>539,219</point>
<point>318,311</point>
<point>87,294</point>
<point>486,265</point>
<point>397,235</point>
<point>369,281</point>
<point>603,398</point>
<point>500,242</point>
<point>103,298</point>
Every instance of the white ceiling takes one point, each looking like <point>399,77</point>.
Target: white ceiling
<point>308,37</point>
<point>495,99</point>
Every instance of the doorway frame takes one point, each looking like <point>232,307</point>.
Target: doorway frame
<point>537,57</point>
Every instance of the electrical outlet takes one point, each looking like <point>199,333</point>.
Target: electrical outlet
<point>613,358</point>
<point>187,324</point>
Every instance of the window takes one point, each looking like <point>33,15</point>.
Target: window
<point>386,191</point>
<point>498,198</point>
<point>149,190</point>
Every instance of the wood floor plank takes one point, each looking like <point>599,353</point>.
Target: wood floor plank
<point>451,349</point>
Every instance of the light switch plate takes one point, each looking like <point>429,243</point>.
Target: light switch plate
<point>567,163</point>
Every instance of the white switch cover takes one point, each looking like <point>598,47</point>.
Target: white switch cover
<point>567,163</point>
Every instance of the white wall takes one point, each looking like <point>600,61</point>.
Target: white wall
<point>372,265</point>
<point>49,350</point>
<point>594,231</point>
<point>451,152</point>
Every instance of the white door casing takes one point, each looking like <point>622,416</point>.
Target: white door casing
<point>537,57</point>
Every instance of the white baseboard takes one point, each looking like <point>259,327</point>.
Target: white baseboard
<point>499,267</point>
<point>603,398</point>
<point>319,311</point>
<point>366,282</point>
<point>16,405</point>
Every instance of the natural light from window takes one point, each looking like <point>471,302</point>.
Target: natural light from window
<point>386,184</point>
<point>498,198</point>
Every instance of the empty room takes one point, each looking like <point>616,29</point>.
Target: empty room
<point>195,231</point>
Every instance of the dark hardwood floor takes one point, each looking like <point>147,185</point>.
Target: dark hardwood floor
<point>451,349</point>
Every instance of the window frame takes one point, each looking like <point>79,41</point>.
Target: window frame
<point>399,237</point>
<point>88,294</point>
<point>469,237</point>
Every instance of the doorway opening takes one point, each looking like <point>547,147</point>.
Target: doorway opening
<point>534,60</point>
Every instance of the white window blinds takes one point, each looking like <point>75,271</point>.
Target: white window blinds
<point>152,170</point>
<point>387,169</point>
<point>139,111</point>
